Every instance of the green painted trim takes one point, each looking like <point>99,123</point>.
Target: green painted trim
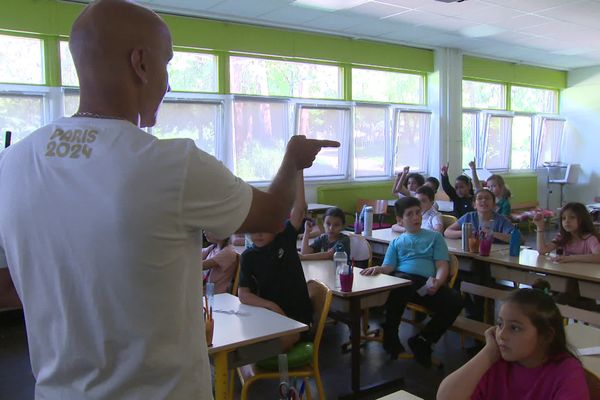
<point>52,61</point>
<point>223,73</point>
<point>507,72</point>
<point>347,82</point>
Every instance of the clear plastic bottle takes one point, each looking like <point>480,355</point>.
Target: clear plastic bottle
<point>340,261</point>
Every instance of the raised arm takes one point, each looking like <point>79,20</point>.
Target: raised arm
<point>448,188</point>
<point>299,207</point>
<point>461,384</point>
<point>400,185</point>
<point>270,208</point>
<point>542,246</point>
<point>476,183</point>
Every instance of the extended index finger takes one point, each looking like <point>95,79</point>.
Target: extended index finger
<point>327,143</point>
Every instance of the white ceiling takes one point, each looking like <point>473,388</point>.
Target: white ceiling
<point>563,34</point>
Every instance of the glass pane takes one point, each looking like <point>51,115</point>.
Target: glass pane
<point>193,72</point>
<point>497,146</point>
<point>483,95</point>
<point>67,67</point>
<point>520,155</point>
<point>21,115</point>
<point>261,134</point>
<point>196,121</point>
<point>369,141</point>
<point>412,138</point>
<point>385,86</point>
<point>21,60</point>
<point>71,103</point>
<point>550,141</point>
<point>324,123</point>
<point>533,100</point>
<point>257,76</point>
<point>469,138</point>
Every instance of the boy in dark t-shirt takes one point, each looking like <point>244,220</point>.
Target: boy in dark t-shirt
<point>271,273</point>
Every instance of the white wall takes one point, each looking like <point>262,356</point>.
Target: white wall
<point>580,105</point>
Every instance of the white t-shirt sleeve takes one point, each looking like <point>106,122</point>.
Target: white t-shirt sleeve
<point>213,198</point>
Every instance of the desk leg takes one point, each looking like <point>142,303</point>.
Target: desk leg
<point>355,315</point>
<point>221,376</point>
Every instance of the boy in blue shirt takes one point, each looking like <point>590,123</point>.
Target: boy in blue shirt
<point>421,256</point>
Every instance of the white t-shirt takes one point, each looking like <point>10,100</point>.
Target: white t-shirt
<point>431,218</point>
<point>100,225</point>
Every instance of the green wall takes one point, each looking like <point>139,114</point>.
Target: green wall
<point>507,72</point>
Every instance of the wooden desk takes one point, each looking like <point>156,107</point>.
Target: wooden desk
<point>401,395</point>
<point>316,208</point>
<point>582,336</point>
<point>240,326</point>
<point>367,291</point>
<point>531,261</point>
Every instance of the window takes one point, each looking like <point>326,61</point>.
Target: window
<point>266,77</point>
<point>483,95</point>
<point>497,131</point>
<point>549,140</point>
<point>20,114</point>
<point>260,136</point>
<point>370,144</point>
<point>520,154</point>
<point>21,60</point>
<point>411,140</point>
<point>194,120</point>
<point>193,72</point>
<point>71,102</point>
<point>68,75</point>
<point>533,100</point>
<point>331,123</point>
<point>388,87</point>
<point>469,137</point>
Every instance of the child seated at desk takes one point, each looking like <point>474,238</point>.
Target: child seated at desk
<point>406,183</point>
<point>484,218</point>
<point>421,256</point>
<point>495,183</point>
<point>271,274</point>
<point>461,194</point>
<point>577,240</point>
<point>219,259</point>
<point>431,218</point>
<point>323,247</point>
<point>525,357</point>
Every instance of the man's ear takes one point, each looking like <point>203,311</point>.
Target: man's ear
<point>138,63</point>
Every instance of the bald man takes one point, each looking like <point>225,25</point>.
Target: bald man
<point>100,223</point>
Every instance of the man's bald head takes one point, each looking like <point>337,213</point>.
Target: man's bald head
<point>117,46</point>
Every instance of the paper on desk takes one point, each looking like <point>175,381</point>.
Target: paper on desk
<point>589,351</point>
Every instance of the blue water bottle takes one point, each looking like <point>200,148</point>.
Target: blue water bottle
<point>515,242</point>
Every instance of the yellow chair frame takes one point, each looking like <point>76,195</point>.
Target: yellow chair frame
<point>320,296</point>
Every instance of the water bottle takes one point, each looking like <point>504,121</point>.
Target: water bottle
<point>515,242</point>
<point>466,232</point>
<point>368,231</point>
<point>340,261</point>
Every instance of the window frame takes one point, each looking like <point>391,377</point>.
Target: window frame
<point>388,151</point>
<point>397,110</point>
<point>423,76</point>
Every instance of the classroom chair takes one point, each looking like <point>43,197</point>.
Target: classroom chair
<point>320,297</point>
<point>448,220</point>
<point>236,276</point>
<point>593,383</point>
<point>379,212</point>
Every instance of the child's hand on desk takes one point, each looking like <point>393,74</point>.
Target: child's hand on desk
<point>491,346</point>
<point>371,271</point>
<point>275,308</point>
<point>560,259</point>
